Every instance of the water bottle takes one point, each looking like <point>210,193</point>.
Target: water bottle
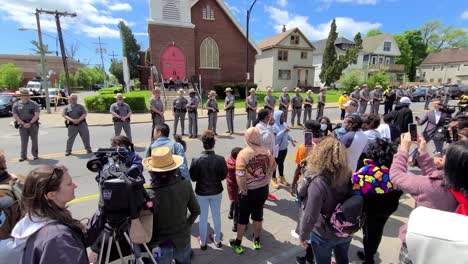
<point>156,253</point>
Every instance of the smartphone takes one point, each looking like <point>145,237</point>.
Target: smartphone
<point>454,134</point>
<point>413,130</point>
<point>308,137</point>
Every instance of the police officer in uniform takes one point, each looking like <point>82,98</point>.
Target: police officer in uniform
<point>308,101</point>
<point>229,108</point>
<point>75,120</point>
<point>428,97</point>
<point>321,102</point>
<point>179,108</point>
<point>26,115</point>
<point>270,100</point>
<point>121,113</point>
<point>375,97</point>
<point>364,99</point>
<point>192,107</point>
<point>251,108</point>
<point>355,96</point>
<point>297,101</point>
<point>284,102</point>
<point>212,107</point>
<point>157,109</point>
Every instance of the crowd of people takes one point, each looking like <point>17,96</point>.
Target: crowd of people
<point>347,178</point>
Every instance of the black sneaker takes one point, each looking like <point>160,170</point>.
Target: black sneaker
<point>67,153</point>
<point>234,228</point>
<point>230,215</point>
<point>360,254</point>
<point>303,260</point>
<point>22,159</point>
<point>236,245</point>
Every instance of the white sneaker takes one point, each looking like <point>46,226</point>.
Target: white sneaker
<point>294,234</point>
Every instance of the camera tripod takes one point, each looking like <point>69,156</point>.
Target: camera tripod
<point>113,232</point>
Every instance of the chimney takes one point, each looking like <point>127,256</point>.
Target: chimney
<point>284,28</point>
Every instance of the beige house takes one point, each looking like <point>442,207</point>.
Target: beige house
<point>286,60</point>
<point>446,66</point>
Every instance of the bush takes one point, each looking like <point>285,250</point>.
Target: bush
<point>351,79</point>
<point>110,90</point>
<point>239,89</point>
<point>101,103</point>
<point>378,78</point>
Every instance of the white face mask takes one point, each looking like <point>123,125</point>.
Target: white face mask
<point>323,127</point>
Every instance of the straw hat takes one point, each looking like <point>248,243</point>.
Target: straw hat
<point>269,90</point>
<point>297,89</point>
<point>23,91</point>
<point>378,86</point>
<point>119,96</point>
<point>252,90</point>
<point>229,89</point>
<point>191,91</point>
<point>356,87</point>
<point>211,93</point>
<point>162,160</point>
<point>181,91</point>
<point>157,89</point>
<point>364,85</point>
<point>285,89</point>
<point>309,91</point>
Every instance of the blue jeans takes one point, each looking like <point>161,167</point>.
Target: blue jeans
<point>181,256</point>
<point>214,202</point>
<point>323,248</point>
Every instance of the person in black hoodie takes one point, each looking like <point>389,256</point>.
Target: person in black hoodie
<point>402,116</point>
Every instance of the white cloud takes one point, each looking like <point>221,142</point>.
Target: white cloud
<point>92,15</point>
<point>141,34</point>
<point>282,3</point>
<point>120,7</point>
<point>346,26</point>
<point>234,10</point>
<point>359,2</point>
<point>465,14</point>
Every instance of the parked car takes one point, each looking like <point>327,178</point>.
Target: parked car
<point>419,95</point>
<point>54,96</point>
<point>36,85</point>
<point>456,91</point>
<point>6,103</point>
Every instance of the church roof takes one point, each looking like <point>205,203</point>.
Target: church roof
<point>276,39</point>
<point>234,21</point>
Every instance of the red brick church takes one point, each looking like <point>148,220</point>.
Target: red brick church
<point>188,38</point>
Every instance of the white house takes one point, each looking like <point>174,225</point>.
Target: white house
<point>446,66</point>
<point>286,60</point>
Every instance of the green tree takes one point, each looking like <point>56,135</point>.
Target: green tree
<point>405,49</point>
<point>116,69</point>
<point>351,79</point>
<point>10,76</point>
<point>130,49</point>
<point>84,77</point>
<point>97,74</point>
<point>329,57</point>
<point>413,51</point>
<point>72,79</point>
<point>437,37</point>
<point>373,32</point>
<point>378,78</point>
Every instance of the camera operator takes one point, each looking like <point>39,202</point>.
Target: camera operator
<point>435,125</point>
<point>172,197</point>
<point>133,159</point>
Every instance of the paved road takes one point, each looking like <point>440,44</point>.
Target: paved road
<point>280,215</point>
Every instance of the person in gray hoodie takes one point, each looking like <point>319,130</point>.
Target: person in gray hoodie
<point>47,233</point>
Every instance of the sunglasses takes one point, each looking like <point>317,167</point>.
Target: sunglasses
<point>58,172</point>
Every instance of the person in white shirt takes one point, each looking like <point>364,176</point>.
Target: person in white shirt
<point>264,124</point>
<point>354,140</point>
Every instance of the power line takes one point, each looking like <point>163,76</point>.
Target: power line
<point>101,50</point>
<point>113,55</point>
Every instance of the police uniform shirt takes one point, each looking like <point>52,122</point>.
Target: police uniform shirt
<point>156,103</point>
<point>321,98</point>
<point>180,103</point>
<point>193,102</point>
<point>270,100</point>
<point>355,95</point>
<point>212,103</point>
<point>228,100</point>
<point>74,111</point>
<point>284,99</point>
<point>297,101</point>
<point>309,99</point>
<point>364,95</point>
<point>121,110</point>
<point>375,95</point>
<point>25,111</point>
<point>252,101</point>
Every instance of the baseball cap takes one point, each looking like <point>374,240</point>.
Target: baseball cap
<point>405,100</point>
<point>350,103</point>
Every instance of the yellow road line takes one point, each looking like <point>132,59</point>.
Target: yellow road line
<point>92,197</point>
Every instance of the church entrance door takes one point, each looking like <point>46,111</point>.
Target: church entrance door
<point>173,63</point>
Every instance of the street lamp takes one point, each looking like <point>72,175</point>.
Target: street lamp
<point>247,73</point>
<point>45,83</point>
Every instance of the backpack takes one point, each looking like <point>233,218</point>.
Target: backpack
<point>13,188</point>
<point>347,218</point>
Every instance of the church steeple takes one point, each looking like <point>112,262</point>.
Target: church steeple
<point>171,12</point>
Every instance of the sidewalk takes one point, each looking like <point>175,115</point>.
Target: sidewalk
<point>55,119</point>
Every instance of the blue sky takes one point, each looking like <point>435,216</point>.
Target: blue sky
<point>100,17</point>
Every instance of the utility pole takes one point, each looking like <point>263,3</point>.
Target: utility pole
<point>101,50</point>
<point>113,55</point>
<point>247,73</point>
<point>45,83</point>
<point>57,16</point>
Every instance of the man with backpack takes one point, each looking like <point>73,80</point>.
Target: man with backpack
<point>10,212</point>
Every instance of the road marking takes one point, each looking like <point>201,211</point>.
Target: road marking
<point>92,197</point>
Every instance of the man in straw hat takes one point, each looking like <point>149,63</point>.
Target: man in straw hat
<point>321,102</point>
<point>156,109</point>
<point>284,101</point>
<point>364,94</point>
<point>121,113</point>
<point>254,168</point>
<point>177,207</point>
<point>375,97</point>
<point>355,96</point>
<point>192,107</point>
<point>270,100</point>
<point>179,108</point>
<point>251,108</point>
<point>308,101</point>
<point>229,108</point>
<point>296,102</point>
<point>75,121</point>
<point>26,115</point>
<point>212,107</point>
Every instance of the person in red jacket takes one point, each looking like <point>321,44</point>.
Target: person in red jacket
<point>232,187</point>
<point>455,167</point>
